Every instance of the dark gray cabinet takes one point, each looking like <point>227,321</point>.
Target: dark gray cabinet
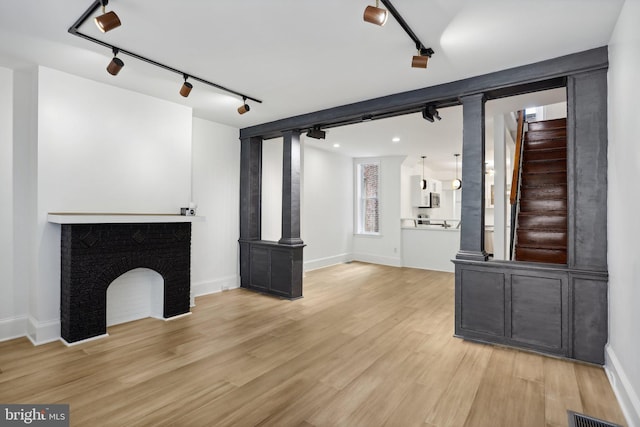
<point>549,309</point>
<point>273,268</point>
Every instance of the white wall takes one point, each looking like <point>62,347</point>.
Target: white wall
<point>327,208</point>
<point>384,248</point>
<point>25,172</point>
<point>7,303</point>
<point>100,149</point>
<point>555,111</point>
<point>216,190</point>
<point>272,189</point>
<point>623,350</point>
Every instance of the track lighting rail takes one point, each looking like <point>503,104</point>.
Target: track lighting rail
<point>74,30</point>
<point>419,45</point>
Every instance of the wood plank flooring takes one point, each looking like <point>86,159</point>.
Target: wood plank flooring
<point>368,345</point>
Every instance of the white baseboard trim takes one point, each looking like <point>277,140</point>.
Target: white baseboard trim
<point>43,332</point>
<point>12,328</point>
<point>71,344</point>
<point>176,317</point>
<point>317,263</point>
<point>214,286</point>
<point>378,259</point>
<point>622,387</point>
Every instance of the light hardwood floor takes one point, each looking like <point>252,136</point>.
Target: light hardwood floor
<point>368,345</point>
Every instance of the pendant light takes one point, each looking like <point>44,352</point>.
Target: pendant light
<point>423,182</point>
<point>456,184</point>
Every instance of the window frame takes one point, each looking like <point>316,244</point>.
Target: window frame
<point>360,201</point>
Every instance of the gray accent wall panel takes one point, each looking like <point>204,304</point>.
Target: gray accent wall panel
<point>482,300</point>
<point>260,268</point>
<point>590,325</point>
<point>537,310</point>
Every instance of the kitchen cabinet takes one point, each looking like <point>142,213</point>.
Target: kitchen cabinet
<point>422,198</point>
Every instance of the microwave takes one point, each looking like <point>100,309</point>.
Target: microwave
<point>427,199</point>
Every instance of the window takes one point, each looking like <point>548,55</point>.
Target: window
<point>368,198</point>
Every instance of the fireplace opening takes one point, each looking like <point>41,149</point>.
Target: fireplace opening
<point>136,294</point>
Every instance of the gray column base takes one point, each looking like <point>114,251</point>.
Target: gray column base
<point>291,241</point>
<point>472,255</point>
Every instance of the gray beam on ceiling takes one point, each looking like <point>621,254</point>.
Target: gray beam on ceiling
<point>513,81</point>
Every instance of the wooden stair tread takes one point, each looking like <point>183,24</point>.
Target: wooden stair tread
<point>544,192</point>
<point>552,256</point>
<point>545,247</point>
<point>545,166</point>
<point>545,134</point>
<point>547,124</point>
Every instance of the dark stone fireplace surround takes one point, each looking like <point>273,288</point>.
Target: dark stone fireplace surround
<point>93,255</point>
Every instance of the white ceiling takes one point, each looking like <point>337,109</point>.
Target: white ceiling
<point>300,56</point>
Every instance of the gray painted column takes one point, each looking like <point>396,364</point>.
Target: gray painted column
<point>250,202</point>
<point>472,211</point>
<point>291,188</point>
<point>587,170</point>
<point>250,188</point>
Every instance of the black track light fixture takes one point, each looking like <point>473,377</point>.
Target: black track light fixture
<point>244,107</point>
<point>116,63</point>
<point>108,20</point>
<point>316,133</point>
<point>429,113</point>
<point>375,14</point>
<point>456,184</point>
<point>185,90</point>
<point>420,60</point>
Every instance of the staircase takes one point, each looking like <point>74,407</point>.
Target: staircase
<point>542,219</point>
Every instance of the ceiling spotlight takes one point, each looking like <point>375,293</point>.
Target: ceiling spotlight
<point>185,90</point>
<point>244,107</point>
<point>107,21</point>
<point>375,14</point>
<point>430,113</point>
<point>116,64</point>
<point>316,133</point>
<point>420,60</point>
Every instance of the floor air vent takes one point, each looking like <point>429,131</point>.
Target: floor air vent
<point>580,420</point>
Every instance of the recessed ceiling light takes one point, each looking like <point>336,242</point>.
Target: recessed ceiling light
<point>395,139</point>
<point>336,145</point>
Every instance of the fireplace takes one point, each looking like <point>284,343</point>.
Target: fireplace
<point>97,249</point>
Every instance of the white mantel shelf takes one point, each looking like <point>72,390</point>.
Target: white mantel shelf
<point>117,218</point>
